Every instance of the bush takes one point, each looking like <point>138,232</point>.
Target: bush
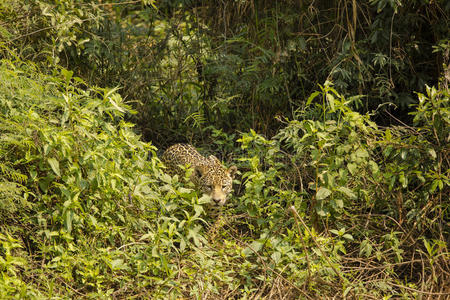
<point>379,196</point>
<point>79,196</point>
<point>331,205</point>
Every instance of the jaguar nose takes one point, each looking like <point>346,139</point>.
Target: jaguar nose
<point>219,201</point>
<point>218,196</point>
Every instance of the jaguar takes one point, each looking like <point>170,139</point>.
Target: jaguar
<point>210,176</point>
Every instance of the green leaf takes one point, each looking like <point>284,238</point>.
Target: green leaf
<point>331,100</point>
<point>67,74</point>
<point>362,153</point>
<point>276,256</point>
<point>434,186</point>
<point>348,192</point>
<point>117,264</point>
<point>428,247</point>
<point>205,198</point>
<point>255,246</point>
<point>321,212</point>
<point>392,182</point>
<point>403,154</point>
<point>432,153</point>
<point>93,220</point>
<point>388,135</point>
<point>311,97</point>
<point>352,168</point>
<point>348,236</point>
<point>322,193</point>
<point>44,183</point>
<point>68,221</point>
<point>387,151</point>
<point>403,180</point>
<point>365,248</point>
<point>347,290</point>
<point>378,255</point>
<point>339,203</point>
<point>374,167</point>
<point>198,210</point>
<point>111,100</point>
<point>182,244</point>
<point>54,164</point>
<point>334,231</point>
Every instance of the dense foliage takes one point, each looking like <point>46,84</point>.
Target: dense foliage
<point>238,64</point>
<point>333,199</point>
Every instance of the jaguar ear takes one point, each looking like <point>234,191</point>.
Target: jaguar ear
<point>198,171</point>
<point>232,170</point>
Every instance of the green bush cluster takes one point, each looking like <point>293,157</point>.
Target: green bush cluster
<point>76,187</point>
<point>87,210</point>
<point>381,195</point>
<point>328,203</point>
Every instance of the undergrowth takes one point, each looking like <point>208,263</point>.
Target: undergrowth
<point>332,206</point>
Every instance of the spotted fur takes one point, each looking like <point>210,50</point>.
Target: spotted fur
<point>209,175</point>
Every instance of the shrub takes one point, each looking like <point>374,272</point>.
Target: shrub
<point>331,205</point>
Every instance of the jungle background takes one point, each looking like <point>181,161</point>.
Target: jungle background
<point>335,112</point>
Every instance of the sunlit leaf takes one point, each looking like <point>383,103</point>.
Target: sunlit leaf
<point>54,164</point>
<point>322,193</point>
<point>348,192</point>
